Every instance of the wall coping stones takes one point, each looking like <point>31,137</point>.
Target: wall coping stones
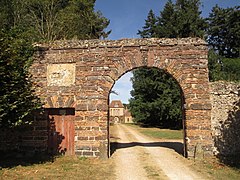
<point>84,44</point>
<point>220,87</point>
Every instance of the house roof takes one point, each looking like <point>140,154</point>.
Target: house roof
<point>116,104</point>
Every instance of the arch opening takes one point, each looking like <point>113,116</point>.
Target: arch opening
<point>165,86</point>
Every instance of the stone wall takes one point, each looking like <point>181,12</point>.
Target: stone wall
<point>225,115</point>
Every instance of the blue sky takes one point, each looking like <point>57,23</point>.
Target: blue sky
<point>128,16</point>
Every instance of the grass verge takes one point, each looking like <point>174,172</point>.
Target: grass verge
<point>62,168</point>
<point>215,170</point>
<point>160,133</point>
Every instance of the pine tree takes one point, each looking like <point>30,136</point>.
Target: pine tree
<point>189,22</point>
<point>224,31</point>
<point>149,29</point>
<point>166,24</point>
<point>156,95</point>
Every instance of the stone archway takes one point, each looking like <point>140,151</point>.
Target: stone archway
<point>80,74</point>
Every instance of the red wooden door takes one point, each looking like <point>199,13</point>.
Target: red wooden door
<point>61,131</point>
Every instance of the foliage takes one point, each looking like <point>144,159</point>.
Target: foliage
<point>149,29</point>
<point>49,20</point>
<point>221,68</point>
<point>156,98</point>
<point>23,22</point>
<point>16,99</point>
<point>178,20</point>
<point>224,31</point>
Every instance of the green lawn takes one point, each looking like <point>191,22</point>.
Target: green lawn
<point>163,133</point>
<point>160,133</point>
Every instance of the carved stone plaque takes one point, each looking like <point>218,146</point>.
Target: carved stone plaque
<point>60,74</point>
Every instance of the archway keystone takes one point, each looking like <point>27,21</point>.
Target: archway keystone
<point>80,74</point>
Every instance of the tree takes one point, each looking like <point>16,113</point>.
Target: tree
<point>156,98</point>
<point>17,101</point>
<point>149,29</point>
<point>189,22</point>
<point>167,22</point>
<point>23,22</point>
<point>221,68</point>
<point>6,16</point>
<point>156,95</point>
<point>178,20</point>
<point>224,31</point>
<point>50,20</point>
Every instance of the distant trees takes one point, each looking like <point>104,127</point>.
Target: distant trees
<point>23,22</point>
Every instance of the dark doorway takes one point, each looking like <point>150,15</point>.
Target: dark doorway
<point>61,131</point>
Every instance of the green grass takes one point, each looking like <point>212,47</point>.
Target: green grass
<point>160,133</point>
<point>215,170</point>
<point>163,133</point>
<point>62,168</point>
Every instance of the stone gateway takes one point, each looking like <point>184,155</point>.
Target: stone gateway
<point>79,75</point>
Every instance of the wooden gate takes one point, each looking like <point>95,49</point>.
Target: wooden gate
<point>61,131</point>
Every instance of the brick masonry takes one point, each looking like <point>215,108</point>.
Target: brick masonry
<point>80,75</point>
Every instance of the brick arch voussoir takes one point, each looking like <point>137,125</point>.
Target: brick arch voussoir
<point>60,102</point>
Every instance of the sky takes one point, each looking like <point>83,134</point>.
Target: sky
<point>128,16</point>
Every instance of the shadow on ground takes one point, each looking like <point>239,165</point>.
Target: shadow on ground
<point>12,159</point>
<point>176,146</point>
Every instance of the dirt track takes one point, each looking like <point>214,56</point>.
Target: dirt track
<point>139,157</point>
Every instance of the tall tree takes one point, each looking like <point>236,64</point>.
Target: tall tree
<point>224,31</point>
<point>178,20</point>
<point>189,22</point>
<point>166,25</point>
<point>149,29</point>
<point>156,95</point>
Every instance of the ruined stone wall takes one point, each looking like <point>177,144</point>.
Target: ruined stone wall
<point>225,119</point>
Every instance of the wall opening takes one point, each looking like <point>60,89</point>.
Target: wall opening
<point>61,131</point>
<point>165,87</point>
